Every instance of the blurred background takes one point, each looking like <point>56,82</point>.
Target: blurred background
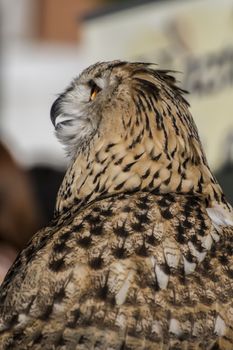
<point>46,43</point>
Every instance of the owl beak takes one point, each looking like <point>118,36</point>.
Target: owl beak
<point>62,120</point>
<point>55,111</point>
<point>58,118</point>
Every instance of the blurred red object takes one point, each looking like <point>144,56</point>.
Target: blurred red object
<point>59,20</point>
<point>19,213</point>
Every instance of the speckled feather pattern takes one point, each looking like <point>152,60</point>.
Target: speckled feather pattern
<point>115,276</point>
<point>133,260</point>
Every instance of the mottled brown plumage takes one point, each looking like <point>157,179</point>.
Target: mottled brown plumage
<point>139,254</point>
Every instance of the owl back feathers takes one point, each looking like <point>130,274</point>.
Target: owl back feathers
<point>130,271</point>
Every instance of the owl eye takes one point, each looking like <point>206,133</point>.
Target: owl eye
<point>95,89</point>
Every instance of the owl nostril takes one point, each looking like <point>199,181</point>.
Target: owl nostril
<point>55,110</point>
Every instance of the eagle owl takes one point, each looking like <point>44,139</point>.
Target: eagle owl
<point>139,254</point>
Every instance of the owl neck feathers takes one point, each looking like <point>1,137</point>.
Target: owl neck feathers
<point>113,167</point>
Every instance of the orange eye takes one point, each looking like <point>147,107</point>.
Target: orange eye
<point>94,91</point>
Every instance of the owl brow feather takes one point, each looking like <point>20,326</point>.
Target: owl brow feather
<point>148,86</point>
<point>164,76</point>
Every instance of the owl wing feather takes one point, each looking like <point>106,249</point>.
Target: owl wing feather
<point>130,271</point>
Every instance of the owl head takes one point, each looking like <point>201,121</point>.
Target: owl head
<point>114,98</point>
